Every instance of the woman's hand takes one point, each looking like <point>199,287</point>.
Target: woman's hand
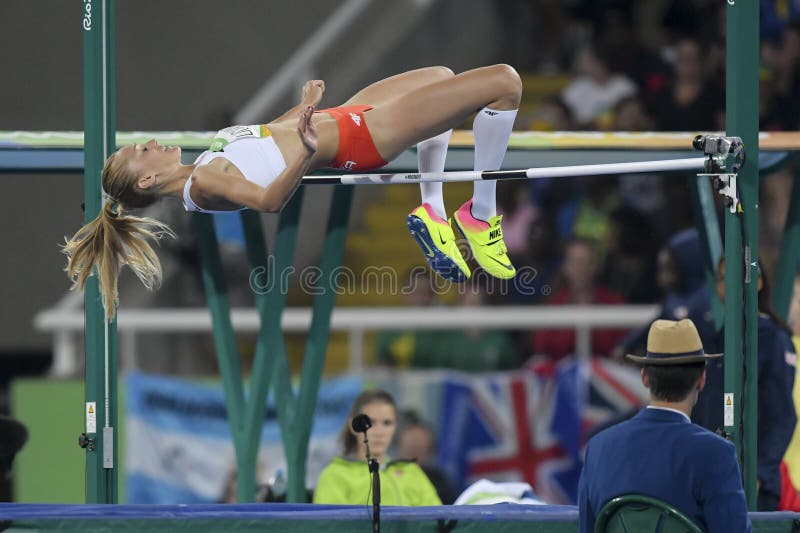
<point>307,130</point>
<point>312,92</point>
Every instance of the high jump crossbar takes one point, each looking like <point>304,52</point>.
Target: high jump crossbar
<point>669,165</point>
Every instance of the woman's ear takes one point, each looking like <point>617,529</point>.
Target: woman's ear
<point>146,182</point>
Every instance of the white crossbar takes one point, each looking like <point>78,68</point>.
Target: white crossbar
<point>668,165</point>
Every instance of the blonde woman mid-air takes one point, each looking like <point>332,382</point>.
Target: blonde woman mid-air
<point>259,167</point>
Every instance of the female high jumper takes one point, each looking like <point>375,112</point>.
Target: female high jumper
<point>259,167</point>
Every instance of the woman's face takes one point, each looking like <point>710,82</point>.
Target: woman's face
<point>150,158</point>
<point>380,435</point>
<point>578,266</point>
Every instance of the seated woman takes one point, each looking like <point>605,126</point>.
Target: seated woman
<point>347,479</point>
<point>259,167</point>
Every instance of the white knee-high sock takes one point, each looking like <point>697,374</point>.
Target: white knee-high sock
<point>491,129</point>
<point>431,154</point>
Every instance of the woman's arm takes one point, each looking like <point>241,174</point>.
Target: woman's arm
<point>214,181</point>
<point>311,96</point>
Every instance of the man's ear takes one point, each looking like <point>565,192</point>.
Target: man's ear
<point>701,382</point>
<point>645,381</point>
<point>145,182</point>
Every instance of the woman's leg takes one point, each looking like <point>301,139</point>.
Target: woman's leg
<point>477,219</point>
<point>495,93</point>
<point>437,107</point>
<point>390,88</point>
<point>431,152</point>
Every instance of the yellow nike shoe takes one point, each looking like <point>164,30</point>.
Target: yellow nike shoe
<point>438,242</point>
<point>486,242</point>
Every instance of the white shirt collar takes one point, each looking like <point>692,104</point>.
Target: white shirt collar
<point>670,409</point>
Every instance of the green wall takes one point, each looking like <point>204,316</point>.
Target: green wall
<point>51,468</point>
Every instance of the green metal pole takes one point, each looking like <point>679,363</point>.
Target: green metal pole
<point>97,22</point>
<point>742,121</point>
<point>317,342</point>
<point>268,275</point>
<point>227,353</point>
<point>285,401</point>
<point>270,366</point>
<point>705,213</point>
<point>790,254</point>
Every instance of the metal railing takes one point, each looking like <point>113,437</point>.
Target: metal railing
<point>66,324</point>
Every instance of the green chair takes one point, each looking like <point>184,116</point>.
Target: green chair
<point>634,513</point>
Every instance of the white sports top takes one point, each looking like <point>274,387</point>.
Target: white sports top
<point>250,148</point>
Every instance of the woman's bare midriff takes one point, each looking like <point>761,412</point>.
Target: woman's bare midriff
<point>290,145</point>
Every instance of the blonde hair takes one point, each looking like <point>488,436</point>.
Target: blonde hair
<point>112,239</point>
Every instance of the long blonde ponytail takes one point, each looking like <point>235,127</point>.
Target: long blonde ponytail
<point>110,241</point>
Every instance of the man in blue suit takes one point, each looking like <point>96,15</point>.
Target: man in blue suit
<point>659,452</point>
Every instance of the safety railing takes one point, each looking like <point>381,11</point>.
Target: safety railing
<point>66,324</point>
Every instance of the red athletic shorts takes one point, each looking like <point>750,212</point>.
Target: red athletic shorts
<point>356,150</point>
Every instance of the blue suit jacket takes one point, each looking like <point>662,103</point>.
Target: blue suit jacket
<point>661,454</point>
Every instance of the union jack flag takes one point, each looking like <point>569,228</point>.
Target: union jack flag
<point>522,426</point>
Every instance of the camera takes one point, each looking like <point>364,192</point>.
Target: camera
<point>713,144</point>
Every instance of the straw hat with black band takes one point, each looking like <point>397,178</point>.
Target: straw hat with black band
<point>672,342</point>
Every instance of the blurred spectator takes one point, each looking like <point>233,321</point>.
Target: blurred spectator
<point>473,349</point>
<point>552,115</point>
<point>416,441</point>
<point>681,278</point>
<point>777,361</point>
<point>630,264</point>
<point>519,214</point>
<point>688,17</point>
<point>596,89</point>
<point>586,215</point>
<point>541,37</point>
<point>780,81</point>
<point>776,111</point>
<point>578,286</point>
<point>775,16</point>
<point>788,68</point>
<point>774,194</point>
<point>688,102</point>
<point>630,114</point>
<point>347,480</point>
<point>627,53</point>
<point>403,348</point>
<point>533,284</point>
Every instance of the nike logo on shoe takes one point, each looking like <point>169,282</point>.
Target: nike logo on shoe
<point>507,267</point>
<point>429,252</point>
